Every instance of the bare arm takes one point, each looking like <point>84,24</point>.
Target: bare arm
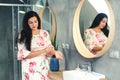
<point>58,54</point>
<point>97,48</point>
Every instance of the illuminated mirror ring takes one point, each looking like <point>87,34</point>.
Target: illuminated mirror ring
<point>53,30</point>
<point>80,46</point>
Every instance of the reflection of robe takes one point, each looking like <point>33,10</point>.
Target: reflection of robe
<point>92,39</point>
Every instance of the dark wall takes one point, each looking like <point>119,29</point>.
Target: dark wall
<point>6,55</point>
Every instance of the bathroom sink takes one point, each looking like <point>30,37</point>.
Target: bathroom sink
<point>95,76</point>
<point>81,75</point>
<point>73,75</point>
<point>98,74</point>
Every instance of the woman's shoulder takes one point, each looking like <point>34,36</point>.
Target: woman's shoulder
<point>44,32</point>
<point>89,30</point>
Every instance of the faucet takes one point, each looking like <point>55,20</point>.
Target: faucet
<point>78,67</point>
<point>87,66</point>
<point>90,66</point>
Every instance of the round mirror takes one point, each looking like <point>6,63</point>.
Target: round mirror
<point>84,15</point>
<point>48,21</point>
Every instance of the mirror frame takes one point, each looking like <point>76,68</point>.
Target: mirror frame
<point>80,46</point>
<point>53,33</point>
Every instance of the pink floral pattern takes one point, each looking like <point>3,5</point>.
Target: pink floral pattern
<point>35,68</point>
<point>27,77</point>
<point>21,54</point>
<point>91,39</point>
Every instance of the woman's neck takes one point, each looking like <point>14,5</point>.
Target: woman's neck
<point>35,32</point>
<point>97,29</point>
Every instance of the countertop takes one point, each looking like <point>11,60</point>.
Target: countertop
<point>58,75</point>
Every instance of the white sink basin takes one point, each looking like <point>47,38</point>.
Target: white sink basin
<point>81,75</point>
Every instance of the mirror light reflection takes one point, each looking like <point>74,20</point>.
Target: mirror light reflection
<point>101,7</point>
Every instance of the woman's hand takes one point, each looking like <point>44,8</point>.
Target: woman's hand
<point>51,53</point>
<point>58,55</point>
<point>49,49</point>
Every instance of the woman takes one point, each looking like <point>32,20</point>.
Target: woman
<point>96,36</point>
<point>34,47</point>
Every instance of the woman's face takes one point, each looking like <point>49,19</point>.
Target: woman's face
<point>103,23</point>
<point>33,23</point>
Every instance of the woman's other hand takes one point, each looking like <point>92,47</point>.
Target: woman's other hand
<point>58,55</point>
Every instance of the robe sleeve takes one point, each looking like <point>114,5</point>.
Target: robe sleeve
<point>89,39</point>
<point>22,51</point>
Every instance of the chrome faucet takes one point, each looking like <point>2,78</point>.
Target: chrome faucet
<point>78,67</point>
<point>87,66</point>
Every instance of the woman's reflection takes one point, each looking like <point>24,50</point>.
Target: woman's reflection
<point>96,36</point>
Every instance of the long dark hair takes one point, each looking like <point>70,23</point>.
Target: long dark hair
<point>26,33</point>
<point>97,21</point>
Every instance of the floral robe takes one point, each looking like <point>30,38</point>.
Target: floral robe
<point>35,68</point>
<point>92,39</point>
